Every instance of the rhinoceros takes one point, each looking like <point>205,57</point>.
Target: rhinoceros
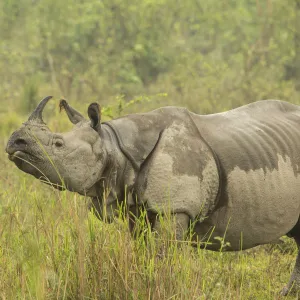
<point>234,174</point>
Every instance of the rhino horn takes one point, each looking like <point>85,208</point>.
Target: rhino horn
<point>37,114</point>
<point>73,114</point>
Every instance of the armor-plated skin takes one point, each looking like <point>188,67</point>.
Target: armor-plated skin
<point>234,174</point>
<point>258,149</point>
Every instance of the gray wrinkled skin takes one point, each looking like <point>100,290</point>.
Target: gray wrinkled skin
<point>233,174</point>
<point>45,149</point>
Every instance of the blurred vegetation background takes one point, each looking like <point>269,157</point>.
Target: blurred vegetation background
<point>206,55</point>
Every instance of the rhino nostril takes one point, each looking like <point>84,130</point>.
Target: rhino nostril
<point>20,142</point>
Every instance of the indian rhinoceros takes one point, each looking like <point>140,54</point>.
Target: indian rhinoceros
<point>234,174</point>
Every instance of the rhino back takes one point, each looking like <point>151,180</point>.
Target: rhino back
<point>258,147</point>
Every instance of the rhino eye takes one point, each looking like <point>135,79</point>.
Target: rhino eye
<point>58,143</point>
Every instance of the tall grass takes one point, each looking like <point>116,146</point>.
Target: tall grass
<point>52,247</point>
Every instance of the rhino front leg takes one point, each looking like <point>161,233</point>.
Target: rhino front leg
<point>175,226</point>
<point>294,282</point>
<point>178,223</point>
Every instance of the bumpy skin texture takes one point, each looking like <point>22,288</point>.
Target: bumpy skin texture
<point>180,179</point>
<point>233,174</point>
<point>55,156</point>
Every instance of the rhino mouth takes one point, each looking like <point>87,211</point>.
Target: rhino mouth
<point>20,157</point>
<point>24,161</point>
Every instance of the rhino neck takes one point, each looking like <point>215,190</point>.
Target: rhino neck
<point>128,145</point>
<point>135,139</point>
<point>119,170</point>
<point>119,141</point>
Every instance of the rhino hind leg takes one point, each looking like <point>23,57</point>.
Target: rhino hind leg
<point>293,285</point>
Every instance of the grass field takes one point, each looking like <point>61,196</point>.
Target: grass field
<point>51,247</point>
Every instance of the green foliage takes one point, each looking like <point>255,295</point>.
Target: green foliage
<point>9,122</point>
<point>208,56</point>
<point>30,95</point>
<point>122,106</point>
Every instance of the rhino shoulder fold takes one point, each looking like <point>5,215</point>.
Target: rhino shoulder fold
<point>180,174</point>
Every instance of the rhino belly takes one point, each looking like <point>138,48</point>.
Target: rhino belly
<point>257,207</point>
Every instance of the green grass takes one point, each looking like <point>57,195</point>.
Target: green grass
<point>52,247</point>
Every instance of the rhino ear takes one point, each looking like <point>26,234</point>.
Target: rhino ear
<point>94,113</point>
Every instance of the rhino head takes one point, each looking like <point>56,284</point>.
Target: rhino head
<point>74,160</point>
